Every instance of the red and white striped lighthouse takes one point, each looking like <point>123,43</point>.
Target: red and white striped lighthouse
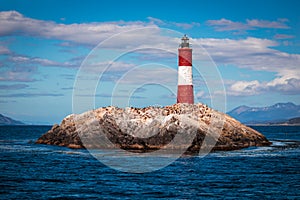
<point>185,92</point>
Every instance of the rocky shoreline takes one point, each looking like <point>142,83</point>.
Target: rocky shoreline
<point>192,127</point>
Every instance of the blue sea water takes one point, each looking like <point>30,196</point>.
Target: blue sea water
<point>34,171</point>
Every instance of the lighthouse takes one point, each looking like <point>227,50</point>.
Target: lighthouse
<point>185,91</point>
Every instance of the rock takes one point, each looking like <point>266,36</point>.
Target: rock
<point>180,126</point>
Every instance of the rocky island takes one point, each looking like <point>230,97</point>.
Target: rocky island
<point>191,126</point>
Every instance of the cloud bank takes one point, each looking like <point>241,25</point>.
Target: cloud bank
<point>257,54</point>
<point>228,25</point>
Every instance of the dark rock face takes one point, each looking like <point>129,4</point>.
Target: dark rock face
<point>62,137</point>
<point>180,126</point>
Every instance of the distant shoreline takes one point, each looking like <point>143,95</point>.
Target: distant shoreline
<point>273,124</point>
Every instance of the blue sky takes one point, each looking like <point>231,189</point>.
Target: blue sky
<point>50,61</point>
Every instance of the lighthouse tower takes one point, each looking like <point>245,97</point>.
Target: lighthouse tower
<point>185,92</point>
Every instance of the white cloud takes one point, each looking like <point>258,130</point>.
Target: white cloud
<point>200,94</point>
<point>284,85</point>
<point>244,88</point>
<point>155,75</point>
<point>4,50</point>
<point>252,53</point>
<point>171,23</point>
<point>12,22</point>
<point>228,25</point>
<point>279,24</point>
<point>283,36</point>
<point>18,59</point>
<point>107,67</point>
<point>129,73</point>
<point>156,21</point>
<point>20,68</point>
<point>186,25</point>
<point>19,74</point>
<point>256,54</point>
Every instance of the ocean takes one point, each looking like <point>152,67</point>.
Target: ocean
<point>34,171</point>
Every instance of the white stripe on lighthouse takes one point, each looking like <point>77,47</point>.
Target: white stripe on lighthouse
<point>185,75</point>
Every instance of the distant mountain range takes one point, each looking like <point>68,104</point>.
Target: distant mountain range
<point>275,114</point>
<point>9,121</point>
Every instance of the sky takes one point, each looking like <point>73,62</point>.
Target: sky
<point>60,57</point>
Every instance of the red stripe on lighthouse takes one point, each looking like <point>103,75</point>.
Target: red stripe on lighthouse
<point>185,94</point>
<point>185,57</point>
